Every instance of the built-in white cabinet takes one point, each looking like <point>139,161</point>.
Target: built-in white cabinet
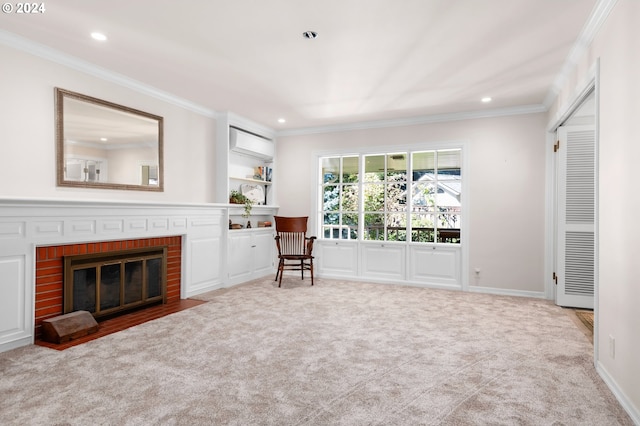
<point>435,264</point>
<point>384,261</point>
<point>336,258</point>
<point>250,254</point>
<point>430,265</point>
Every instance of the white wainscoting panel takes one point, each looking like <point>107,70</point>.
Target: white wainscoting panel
<point>178,223</point>
<point>12,230</point>
<point>48,229</point>
<point>12,303</point>
<point>135,225</point>
<point>383,261</point>
<point>337,258</point>
<point>80,227</point>
<point>205,224</point>
<point>203,258</point>
<point>116,226</point>
<point>159,223</point>
<point>435,265</point>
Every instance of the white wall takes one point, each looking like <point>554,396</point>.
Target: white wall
<point>617,45</point>
<point>27,144</point>
<point>506,188</point>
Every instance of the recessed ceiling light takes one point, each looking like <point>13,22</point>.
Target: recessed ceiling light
<point>310,35</point>
<point>281,120</point>
<point>486,99</point>
<point>98,36</point>
<point>104,139</point>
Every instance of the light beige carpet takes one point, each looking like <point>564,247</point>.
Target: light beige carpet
<point>338,353</point>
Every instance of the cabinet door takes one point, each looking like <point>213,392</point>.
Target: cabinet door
<point>336,258</point>
<point>262,246</point>
<point>435,265</point>
<point>240,256</point>
<point>383,261</point>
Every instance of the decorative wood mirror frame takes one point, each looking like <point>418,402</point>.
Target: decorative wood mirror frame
<point>100,144</point>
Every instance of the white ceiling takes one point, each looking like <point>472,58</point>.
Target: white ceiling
<point>372,60</point>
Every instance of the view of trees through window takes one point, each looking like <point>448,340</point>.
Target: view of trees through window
<point>403,196</point>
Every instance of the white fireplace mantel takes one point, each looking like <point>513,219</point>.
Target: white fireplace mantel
<point>29,223</point>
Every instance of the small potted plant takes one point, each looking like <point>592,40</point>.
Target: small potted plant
<point>236,197</point>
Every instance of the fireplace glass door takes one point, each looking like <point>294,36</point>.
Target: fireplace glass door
<point>107,283</point>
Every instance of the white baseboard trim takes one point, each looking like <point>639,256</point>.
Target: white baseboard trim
<point>628,406</point>
<point>204,289</point>
<point>388,281</point>
<point>481,290</point>
<point>25,341</point>
<point>507,292</point>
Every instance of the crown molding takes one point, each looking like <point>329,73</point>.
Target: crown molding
<point>233,119</point>
<point>598,16</point>
<point>413,121</point>
<point>20,43</point>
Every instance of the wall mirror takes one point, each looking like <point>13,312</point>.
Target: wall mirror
<point>100,144</point>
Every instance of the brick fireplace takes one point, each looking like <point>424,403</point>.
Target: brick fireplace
<point>36,234</point>
<point>49,282</point>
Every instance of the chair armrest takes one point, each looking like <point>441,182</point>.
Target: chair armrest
<point>310,241</point>
<point>277,238</point>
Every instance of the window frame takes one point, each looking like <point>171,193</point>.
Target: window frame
<point>409,151</point>
<point>340,227</point>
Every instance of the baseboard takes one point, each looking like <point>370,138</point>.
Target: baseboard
<point>628,406</point>
<point>475,289</point>
<point>204,289</point>
<point>389,281</point>
<point>508,292</point>
<point>25,341</point>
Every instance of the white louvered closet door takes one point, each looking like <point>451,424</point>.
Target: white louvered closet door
<point>576,216</point>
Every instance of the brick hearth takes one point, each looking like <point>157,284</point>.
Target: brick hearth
<point>125,321</point>
<point>49,272</point>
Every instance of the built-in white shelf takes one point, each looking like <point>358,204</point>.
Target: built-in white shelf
<point>253,229</point>
<point>250,180</point>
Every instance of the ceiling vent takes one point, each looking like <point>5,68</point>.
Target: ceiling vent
<point>310,35</point>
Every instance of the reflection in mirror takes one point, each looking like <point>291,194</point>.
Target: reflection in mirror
<point>104,145</point>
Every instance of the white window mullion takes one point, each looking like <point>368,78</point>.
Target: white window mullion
<point>409,192</point>
<point>385,189</point>
<point>436,211</point>
<point>360,197</point>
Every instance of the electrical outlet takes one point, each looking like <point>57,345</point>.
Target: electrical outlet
<point>612,347</point>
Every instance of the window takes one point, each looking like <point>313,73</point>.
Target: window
<point>385,197</point>
<point>340,197</point>
<point>436,189</point>
<point>403,196</point>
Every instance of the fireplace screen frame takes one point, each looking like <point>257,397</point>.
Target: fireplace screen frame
<point>97,261</point>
